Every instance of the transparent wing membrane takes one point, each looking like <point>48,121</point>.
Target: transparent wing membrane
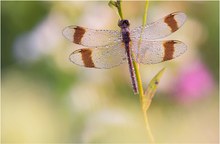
<point>106,49</point>
<point>102,58</point>
<point>152,52</point>
<point>161,28</point>
<point>90,37</point>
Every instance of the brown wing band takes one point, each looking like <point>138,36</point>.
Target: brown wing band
<point>87,57</point>
<point>171,22</point>
<point>168,50</point>
<point>78,34</point>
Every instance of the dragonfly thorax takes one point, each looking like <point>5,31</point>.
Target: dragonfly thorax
<point>124,25</point>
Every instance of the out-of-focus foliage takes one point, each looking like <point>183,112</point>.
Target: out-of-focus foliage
<point>46,98</point>
<point>17,18</point>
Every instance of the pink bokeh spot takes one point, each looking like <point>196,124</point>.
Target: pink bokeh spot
<point>194,82</point>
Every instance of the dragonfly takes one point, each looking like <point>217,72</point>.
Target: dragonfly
<point>106,49</point>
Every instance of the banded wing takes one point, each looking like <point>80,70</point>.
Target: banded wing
<point>161,28</point>
<point>102,58</point>
<point>90,37</point>
<point>152,52</point>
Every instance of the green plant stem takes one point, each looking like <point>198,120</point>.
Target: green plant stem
<point>136,65</point>
<point>143,101</point>
<point>119,9</point>
<point>141,95</point>
<point>147,125</point>
<point>139,81</point>
<point>145,13</point>
<point>138,78</point>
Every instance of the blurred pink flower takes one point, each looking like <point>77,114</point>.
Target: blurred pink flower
<point>194,82</point>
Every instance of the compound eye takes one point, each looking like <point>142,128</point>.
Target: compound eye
<point>126,22</point>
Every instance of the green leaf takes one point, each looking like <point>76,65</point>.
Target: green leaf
<point>151,90</point>
<point>112,4</point>
<point>116,4</point>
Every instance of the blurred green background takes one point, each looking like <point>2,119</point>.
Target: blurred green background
<point>46,98</point>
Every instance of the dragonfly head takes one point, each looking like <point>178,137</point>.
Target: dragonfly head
<point>123,23</point>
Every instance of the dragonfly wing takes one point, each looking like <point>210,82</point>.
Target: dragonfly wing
<point>90,37</point>
<point>152,52</point>
<point>161,28</point>
<point>102,58</point>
